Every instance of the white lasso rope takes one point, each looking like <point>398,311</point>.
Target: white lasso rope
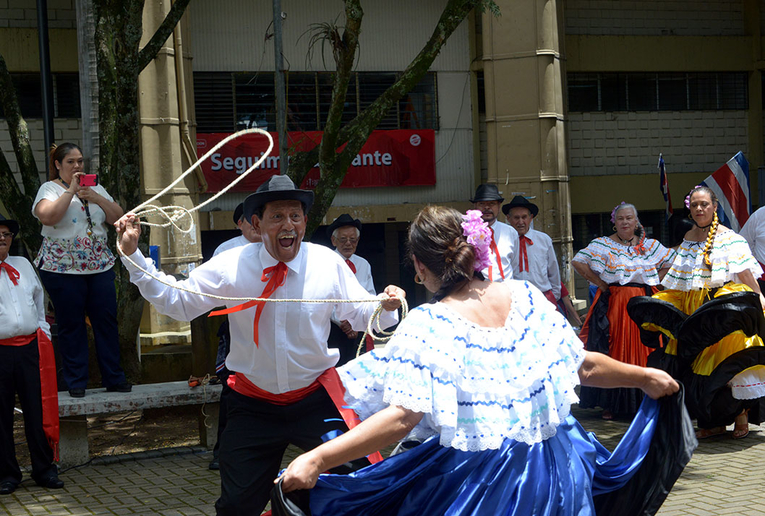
<point>173,214</point>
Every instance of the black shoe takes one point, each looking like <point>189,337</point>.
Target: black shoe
<point>214,465</point>
<point>50,482</point>
<point>120,387</point>
<point>77,393</point>
<point>7,487</point>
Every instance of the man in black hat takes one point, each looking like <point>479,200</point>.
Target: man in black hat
<point>536,256</point>
<point>282,368</point>
<point>27,368</point>
<point>248,236</point>
<point>344,233</point>
<point>504,240</point>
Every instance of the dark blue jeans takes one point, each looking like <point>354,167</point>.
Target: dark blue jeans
<point>74,296</point>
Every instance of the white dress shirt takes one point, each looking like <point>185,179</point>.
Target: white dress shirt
<point>363,271</point>
<point>754,234</point>
<point>22,308</point>
<point>506,238</point>
<point>543,270</point>
<point>231,243</point>
<point>292,349</point>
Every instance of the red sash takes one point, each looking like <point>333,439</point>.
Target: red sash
<point>329,379</point>
<point>48,383</point>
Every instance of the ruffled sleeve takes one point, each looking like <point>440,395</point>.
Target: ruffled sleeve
<point>617,263</point>
<point>730,256</point>
<point>475,386</point>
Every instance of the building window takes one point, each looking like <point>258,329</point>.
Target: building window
<point>657,91</point>
<point>228,101</point>
<point>66,95</point>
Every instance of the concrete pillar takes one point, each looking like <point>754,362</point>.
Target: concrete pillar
<point>524,79</point>
<point>164,92</point>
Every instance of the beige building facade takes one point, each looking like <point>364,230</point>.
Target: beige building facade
<point>566,102</point>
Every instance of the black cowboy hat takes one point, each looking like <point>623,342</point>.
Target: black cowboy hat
<point>277,188</point>
<point>487,193</point>
<point>13,226</point>
<point>342,221</point>
<point>238,212</point>
<point>520,201</point>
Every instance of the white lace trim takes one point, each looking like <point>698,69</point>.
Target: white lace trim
<point>475,386</point>
<point>730,256</point>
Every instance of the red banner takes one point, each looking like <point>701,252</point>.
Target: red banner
<point>400,157</point>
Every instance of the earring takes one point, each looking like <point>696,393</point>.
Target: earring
<point>417,279</point>
<point>614,228</point>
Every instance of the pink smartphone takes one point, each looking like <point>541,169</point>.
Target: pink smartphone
<point>89,180</point>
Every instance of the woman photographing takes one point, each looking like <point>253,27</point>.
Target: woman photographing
<point>75,266</point>
<point>623,265</point>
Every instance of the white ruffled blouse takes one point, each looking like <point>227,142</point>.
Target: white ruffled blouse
<point>730,255</point>
<point>618,263</point>
<point>476,386</point>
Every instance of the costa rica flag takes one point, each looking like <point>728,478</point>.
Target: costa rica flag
<point>731,185</point>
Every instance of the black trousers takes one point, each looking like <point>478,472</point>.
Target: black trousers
<point>257,434</point>
<point>74,296</point>
<point>20,374</point>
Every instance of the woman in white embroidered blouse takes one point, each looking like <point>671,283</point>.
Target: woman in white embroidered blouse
<point>488,368</point>
<point>623,265</point>
<point>713,261</point>
<point>75,266</point>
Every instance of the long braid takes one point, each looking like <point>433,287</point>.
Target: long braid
<point>709,242</point>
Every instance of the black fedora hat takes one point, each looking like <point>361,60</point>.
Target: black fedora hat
<point>342,221</point>
<point>12,225</point>
<point>238,212</point>
<point>520,201</point>
<point>277,188</point>
<point>487,192</point>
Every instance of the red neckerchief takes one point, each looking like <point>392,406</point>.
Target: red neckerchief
<point>12,273</point>
<point>278,274</point>
<point>496,254</point>
<point>523,254</point>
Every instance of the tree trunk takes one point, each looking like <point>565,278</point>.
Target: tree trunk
<point>19,204</point>
<point>118,30</point>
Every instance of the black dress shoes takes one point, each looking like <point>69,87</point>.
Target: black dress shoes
<point>50,482</point>
<point>214,465</point>
<point>120,387</point>
<point>77,393</point>
<point>7,488</point>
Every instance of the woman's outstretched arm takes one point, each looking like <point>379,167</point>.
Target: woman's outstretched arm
<point>599,370</point>
<point>378,431</point>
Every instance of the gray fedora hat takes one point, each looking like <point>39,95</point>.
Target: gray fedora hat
<point>277,188</point>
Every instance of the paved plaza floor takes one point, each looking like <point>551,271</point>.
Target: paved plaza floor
<point>724,477</point>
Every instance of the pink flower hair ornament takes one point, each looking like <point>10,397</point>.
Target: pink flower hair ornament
<point>688,197</point>
<point>477,234</point>
<point>613,212</point>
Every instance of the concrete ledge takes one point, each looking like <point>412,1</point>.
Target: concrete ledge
<point>73,412</point>
<point>152,395</point>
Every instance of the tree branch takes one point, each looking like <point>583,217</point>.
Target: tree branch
<point>150,50</point>
<point>357,132</point>
<point>19,204</point>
